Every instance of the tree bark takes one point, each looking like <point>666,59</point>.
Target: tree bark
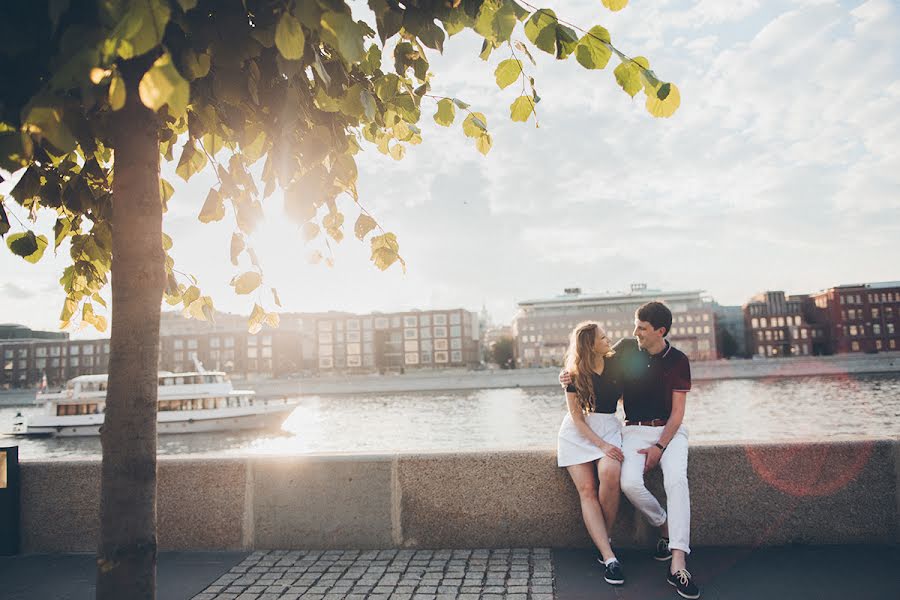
<point>127,553</point>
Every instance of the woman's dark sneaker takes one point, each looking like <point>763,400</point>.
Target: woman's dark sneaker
<point>684,584</point>
<point>614,575</point>
<point>662,549</point>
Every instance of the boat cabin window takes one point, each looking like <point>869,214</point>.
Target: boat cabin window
<point>92,408</point>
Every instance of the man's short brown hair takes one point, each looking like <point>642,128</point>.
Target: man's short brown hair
<point>657,314</point>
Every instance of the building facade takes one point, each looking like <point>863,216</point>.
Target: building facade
<point>779,325</point>
<point>26,361</point>
<point>861,317</point>
<point>395,342</point>
<point>541,327</point>
<point>303,344</point>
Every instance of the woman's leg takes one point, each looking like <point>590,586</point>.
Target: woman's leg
<point>586,484</point>
<point>609,472</point>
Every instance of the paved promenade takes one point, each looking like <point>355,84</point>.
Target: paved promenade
<point>798,572</point>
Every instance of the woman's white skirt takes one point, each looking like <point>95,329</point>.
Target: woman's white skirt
<point>574,449</point>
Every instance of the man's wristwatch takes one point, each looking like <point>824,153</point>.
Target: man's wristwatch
<point>660,446</point>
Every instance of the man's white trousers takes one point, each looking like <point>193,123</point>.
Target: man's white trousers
<point>674,468</point>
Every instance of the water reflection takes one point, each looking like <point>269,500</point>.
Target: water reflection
<point>514,418</point>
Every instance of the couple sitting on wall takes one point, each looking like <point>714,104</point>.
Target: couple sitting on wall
<point>652,378</point>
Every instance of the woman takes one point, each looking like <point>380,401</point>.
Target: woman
<point>590,438</point>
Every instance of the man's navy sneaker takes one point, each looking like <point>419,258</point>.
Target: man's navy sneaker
<point>662,549</point>
<point>684,584</point>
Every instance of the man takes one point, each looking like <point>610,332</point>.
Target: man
<point>656,378</point>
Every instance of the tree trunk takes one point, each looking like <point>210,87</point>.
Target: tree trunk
<point>126,561</point>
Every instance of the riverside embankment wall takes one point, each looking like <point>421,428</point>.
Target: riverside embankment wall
<point>755,495</point>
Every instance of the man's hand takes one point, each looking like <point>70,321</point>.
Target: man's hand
<point>564,378</point>
<point>653,454</point>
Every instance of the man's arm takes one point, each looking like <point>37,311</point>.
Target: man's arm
<point>679,399</point>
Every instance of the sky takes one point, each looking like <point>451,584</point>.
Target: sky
<point>781,170</point>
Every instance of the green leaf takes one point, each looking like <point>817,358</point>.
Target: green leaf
<point>27,245</point>
<point>255,322</point>
<point>593,50</point>
<point>192,161</point>
<point>163,84</point>
<point>196,65</point>
<point>246,283</point>
<point>385,250</point>
<point>213,208</point>
<point>614,5</point>
<point>521,108</point>
<point>237,246</point>
<point>446,112</point>
<point>364,224</point>
<point>541,30</point>
<point>16,150</point>
<point>665,101</point>
<point>140,29</point>
<point>343,34</point>
<point>496,21</point>
<point>456,20</point>
<point>289,38</point>
<point>460,104</point>
<point>165,192</point>
<point>116,92</point>
<point>4,221</point>
<point>475,125</point>
<point>48,122</point>
<point>69,308</point>
<point>484,143</point>
<point>398,151</point>
<point>508,72</point>
<point>190,295</point>
<point>628,75</point>
<point>566,41</point>
<point>61,229</point>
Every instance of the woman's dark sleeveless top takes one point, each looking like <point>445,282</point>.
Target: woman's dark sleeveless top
<point>607,388</point>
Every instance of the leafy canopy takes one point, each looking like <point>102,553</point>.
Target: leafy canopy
<point>299,87</point>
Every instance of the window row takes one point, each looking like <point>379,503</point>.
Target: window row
<point>54,351</point>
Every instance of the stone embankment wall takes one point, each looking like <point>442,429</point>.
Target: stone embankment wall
<point>759,495</point>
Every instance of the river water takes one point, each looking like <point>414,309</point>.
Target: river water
<point>742,410</point>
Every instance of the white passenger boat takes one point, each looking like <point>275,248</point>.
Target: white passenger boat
<point>187,403</point>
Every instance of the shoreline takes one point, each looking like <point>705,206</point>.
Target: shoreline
<point>462,380</point>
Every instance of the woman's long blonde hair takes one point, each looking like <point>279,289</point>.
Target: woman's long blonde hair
<point>579,361</point>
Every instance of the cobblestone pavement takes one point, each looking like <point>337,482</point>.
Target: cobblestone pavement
<point>508,574</point>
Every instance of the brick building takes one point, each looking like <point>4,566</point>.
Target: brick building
<point>862,317</point>
<point>779,325</point>
<point>542,326</point>
<point>29,355</point>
